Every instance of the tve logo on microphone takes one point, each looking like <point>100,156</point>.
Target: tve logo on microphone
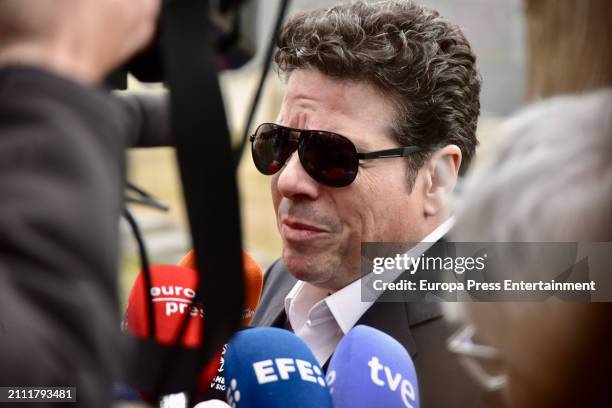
<point>371,369</point>
<point>394,381</point>
<point>281,369</point>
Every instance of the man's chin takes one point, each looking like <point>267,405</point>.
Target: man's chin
<point>320,271</point>
<point>300,270</point>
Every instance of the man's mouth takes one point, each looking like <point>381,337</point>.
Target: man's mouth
<point>294,230</point>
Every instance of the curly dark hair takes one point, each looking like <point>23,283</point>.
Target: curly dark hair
<point>406,51</point>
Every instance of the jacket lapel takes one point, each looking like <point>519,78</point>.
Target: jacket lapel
<point>390,318</point>
<point>271,308</point>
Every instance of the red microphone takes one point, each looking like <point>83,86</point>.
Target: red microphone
<point>173,291</point>
<point>253,282</point>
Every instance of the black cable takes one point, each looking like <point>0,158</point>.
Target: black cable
<point>144,260</point>
<point>264,74</point>
<point>176,346</point>
<point>147,202</point>
<point>143,198</point>
<point>131,186</point>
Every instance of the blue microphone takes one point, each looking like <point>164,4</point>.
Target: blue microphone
<point>270,367</point>
<point>372,369</point>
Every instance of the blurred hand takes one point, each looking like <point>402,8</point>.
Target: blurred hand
<point>80,39</point>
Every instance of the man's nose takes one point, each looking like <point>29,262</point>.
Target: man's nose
<point>293,181</point>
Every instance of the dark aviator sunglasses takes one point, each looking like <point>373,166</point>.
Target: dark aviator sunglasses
<point>329,158</point>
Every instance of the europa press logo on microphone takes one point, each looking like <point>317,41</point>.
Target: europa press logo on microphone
<point>178,299</point>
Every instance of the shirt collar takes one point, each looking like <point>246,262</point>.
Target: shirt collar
<point>442,229</point>
<point>346,305</point>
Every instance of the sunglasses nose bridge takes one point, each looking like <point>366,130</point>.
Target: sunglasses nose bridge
<point>295,135</point>
<point>294,142</point>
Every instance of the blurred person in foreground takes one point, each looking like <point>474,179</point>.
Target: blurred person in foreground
<point>62,170</point>
<point>547,179</point>
<point>366,77</point>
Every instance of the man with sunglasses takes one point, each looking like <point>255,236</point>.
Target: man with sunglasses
<point>378,121</point>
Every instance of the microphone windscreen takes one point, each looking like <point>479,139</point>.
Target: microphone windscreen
<point>172,291</point>
<point>270,367</point>
<point>212,404</point>
<point>371,369</point>
<point>253,282</point>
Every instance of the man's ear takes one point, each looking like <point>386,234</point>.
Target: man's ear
<point>442,172</point>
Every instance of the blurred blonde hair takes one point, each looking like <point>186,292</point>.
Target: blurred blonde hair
<point>566,46</point>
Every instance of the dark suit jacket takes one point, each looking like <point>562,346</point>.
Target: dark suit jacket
<point>419,327</point>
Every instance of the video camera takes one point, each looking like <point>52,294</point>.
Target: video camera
<point>232,32</point>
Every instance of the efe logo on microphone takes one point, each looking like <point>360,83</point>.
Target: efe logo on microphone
<point>233,393</point>
<point>282,369</point>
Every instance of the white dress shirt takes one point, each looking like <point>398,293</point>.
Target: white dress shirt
<point>321,319</point>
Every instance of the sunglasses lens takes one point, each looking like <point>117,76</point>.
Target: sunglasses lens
<point>329,158</point>
<point>272,147</point>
